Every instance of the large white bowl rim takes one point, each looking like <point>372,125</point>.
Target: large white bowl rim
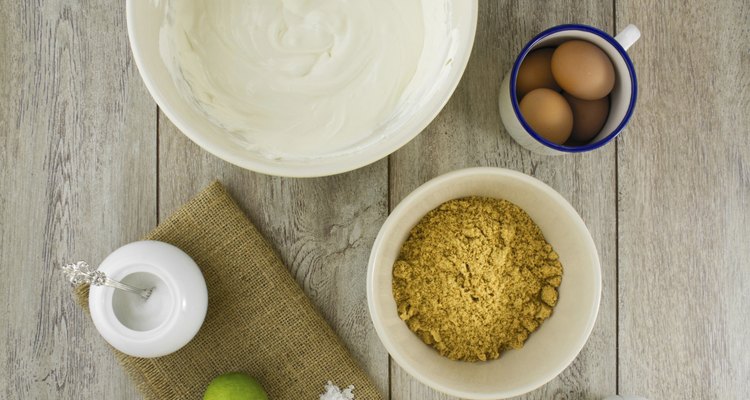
<point>464,14</point>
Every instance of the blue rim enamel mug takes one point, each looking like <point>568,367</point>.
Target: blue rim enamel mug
<point>622,97</point>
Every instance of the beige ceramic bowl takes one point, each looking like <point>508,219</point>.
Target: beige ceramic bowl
<point>550,349</point>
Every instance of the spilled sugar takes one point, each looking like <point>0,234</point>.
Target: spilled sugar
<point>334,392</point>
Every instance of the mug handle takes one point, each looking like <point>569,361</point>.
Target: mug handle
<point>628,36</point>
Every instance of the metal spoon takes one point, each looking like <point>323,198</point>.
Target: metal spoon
<point>81,272</point>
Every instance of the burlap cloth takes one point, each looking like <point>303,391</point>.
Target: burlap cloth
<point>259,321</point>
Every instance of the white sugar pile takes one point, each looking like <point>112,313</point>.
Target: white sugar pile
<point>333,392</point>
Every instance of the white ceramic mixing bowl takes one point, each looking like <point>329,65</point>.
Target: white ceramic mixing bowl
<point>550,349</point>
<point>144,21</point>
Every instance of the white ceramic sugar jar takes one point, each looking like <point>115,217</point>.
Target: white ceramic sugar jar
<point>168,319</point>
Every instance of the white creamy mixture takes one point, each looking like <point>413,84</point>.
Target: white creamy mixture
<point>298,77</point>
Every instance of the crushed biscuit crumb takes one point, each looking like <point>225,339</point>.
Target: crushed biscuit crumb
<point>475,277</point>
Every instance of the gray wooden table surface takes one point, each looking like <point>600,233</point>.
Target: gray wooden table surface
<point>89,164</point>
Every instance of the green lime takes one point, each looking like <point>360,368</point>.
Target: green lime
<point>234,386</point>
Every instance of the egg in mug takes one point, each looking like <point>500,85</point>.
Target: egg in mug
<point>548,114</point>
<point>536,72</point>
<point>583,70</point>
<point>585,75</point>
<point>589,117</point>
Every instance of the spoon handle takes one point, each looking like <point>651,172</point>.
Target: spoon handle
<point>145,293</point>
<point>81,272</point>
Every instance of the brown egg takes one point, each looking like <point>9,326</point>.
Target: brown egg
<point>589,117</point>
<point>548,114</point>
<point>536,72</point>
<point>583,70</point>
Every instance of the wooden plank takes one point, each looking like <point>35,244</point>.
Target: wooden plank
<point>684,207</point>
<point>469,133</point>
<point>77,151</point>
<point>322,228</point>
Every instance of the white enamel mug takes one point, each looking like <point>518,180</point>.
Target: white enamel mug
<point>622,97</point>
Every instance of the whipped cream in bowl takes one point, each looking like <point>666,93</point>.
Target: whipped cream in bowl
<point>301,88</point>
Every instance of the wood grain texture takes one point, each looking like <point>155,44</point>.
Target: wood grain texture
<point>684,206</point>
<point>77,151</point>
<point>469,133</point>
<point>80,176</point>
<point>322,228</point>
